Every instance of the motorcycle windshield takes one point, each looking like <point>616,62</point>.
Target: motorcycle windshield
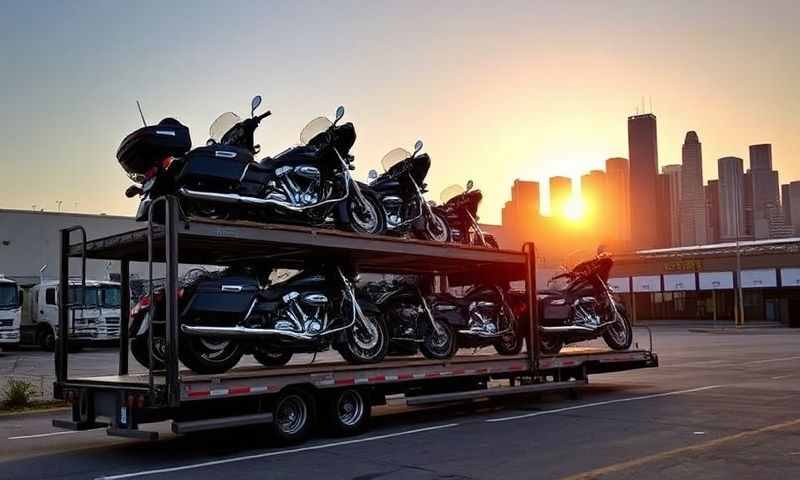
<point>573,259</point>
<point>394,157</point>
<point>314,128</point>
<point>222,124</point>
<point>451,192</point>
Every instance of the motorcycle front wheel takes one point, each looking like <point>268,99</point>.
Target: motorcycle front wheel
<point>436,228</point>
<point>366,218</point>
<point>439,345</point>
<point>367,342</point>
<point>209,355</point>
<point>619,335</point>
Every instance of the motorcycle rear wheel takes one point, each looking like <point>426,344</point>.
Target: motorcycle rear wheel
<point>619,336</point>
<point>209,355</point>
<point>510,344</point>
<point>550,344</point>
<point>271,358</point>
<point>140,351</point>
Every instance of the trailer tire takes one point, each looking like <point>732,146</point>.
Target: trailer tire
<point>293,416</point>
<point>348,411</point>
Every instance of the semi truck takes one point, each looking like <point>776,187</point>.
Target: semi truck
<point>10,312</point>
<point>94,317</point>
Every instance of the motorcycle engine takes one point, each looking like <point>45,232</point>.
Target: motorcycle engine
<point>483,317</point>
<point>301,184</point>
<point>304,313</point>
<point>407,316</point>
<point>586,312</point>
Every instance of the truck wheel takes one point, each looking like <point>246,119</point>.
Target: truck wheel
<point>47,339</point>
<point>292,416</point>
<point>271,358</point>
<point>349,411</point>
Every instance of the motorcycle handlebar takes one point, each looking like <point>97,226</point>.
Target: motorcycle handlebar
<point>264,115</point>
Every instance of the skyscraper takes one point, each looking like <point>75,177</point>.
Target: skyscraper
<point>560,193</point>
<point>643,154</point>
<point>712,211</point>
<point>786,203</point>
<point>766,189</point>
<point>731,198</point>
<point>619,201</point>
<point>673,173</point>
<point>664,195</point>
<point>794,206</point>
<point>693,204</point>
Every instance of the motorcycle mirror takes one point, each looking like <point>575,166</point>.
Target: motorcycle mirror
<point>373,174</point>
<point>254,103</point>
<point>339,114</point>
<point>417,148</point>
<point>470,184</point>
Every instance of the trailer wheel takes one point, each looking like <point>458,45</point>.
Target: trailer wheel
<point>349,411</point>
<point>293,416</point>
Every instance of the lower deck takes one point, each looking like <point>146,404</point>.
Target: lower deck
<point>253,380</point>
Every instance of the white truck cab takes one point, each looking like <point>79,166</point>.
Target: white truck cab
<point>94,320</point>
<point>10,312</point>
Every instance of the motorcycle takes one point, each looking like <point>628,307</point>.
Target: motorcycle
<point>402,189</point>
<point>487,315</point>
<point>410,322</point>
<point>307,184</point>
<point>227,314</point>
<point>460,208</point>
<point>583,309</point>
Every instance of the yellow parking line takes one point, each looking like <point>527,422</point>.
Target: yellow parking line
<point>618,467</point>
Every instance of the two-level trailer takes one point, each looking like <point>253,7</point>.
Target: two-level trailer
<point>288,400</point>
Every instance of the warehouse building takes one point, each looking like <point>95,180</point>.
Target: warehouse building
<point>699,282</point>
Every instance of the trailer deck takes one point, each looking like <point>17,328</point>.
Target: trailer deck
<point>240,396</point>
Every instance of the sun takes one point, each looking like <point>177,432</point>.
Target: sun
<point>574,209</point>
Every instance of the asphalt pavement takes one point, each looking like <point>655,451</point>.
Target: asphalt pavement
<point>720,406</point>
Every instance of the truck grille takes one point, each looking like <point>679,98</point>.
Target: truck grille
<point>7,322</point>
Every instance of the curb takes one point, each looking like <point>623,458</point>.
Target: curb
<point>746,331</point>
<point>33,411</point>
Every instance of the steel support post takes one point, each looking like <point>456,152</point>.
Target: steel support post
<point>124,315</point>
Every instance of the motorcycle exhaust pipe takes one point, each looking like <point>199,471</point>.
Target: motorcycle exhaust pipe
<point>574,328</point>
<point>245,332</point>
<point>236,198</point>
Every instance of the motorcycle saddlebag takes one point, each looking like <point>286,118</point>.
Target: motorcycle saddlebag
<point>214,166</point>
<point>226,295</point>
<point>147,146</point>
<point>553,309</point>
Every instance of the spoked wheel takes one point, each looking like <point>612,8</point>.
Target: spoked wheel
<point>292,416</point>
<point>366,217</point>
<point>271,358</point>
<point>349,411</point>
<point>366,341</point>
<point>437,228</point>
<point>441,344</point>
<point>209,355</point>
<point>619,335</point>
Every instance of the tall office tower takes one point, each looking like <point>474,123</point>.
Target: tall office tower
<point>643,154</point>
<point>674,174</point>
<point>560,193</point>
<point>731,198</point>
<point>778,228</point>
<point>786,203</point>
<point>693,204</point>
<point>712,211</point>
<point>524,203</point>
<point>593,190</point>
<point>747,188</point>
<point>766,188</point>
<point>794,206</point>
<point>618,186</point>
<point>664,195</point>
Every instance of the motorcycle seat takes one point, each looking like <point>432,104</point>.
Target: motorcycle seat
<point>550,291</point>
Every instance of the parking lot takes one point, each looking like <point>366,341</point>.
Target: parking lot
<point>720,406</point>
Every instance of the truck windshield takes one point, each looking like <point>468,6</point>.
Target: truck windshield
<point>8,295</point>
<point>91,296</point>
<point>110,297</point>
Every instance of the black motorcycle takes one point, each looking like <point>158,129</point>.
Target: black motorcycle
<point>224,315</point>
<point>486,315</point>
<point>402,189</point>
<point>410,321</point>
<point>460,208</point>
<point>584,308</point>
<point>307,184</point>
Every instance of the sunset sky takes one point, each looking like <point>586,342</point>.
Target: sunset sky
<point>496,90</point>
